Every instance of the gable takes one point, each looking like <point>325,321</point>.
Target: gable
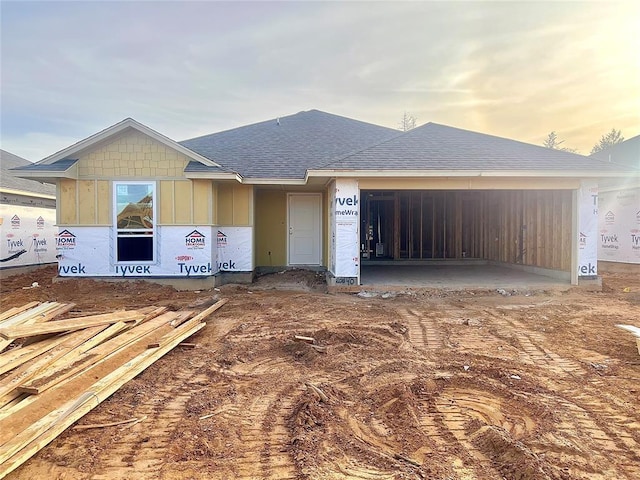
<point>131,154</point>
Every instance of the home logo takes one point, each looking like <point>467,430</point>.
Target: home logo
<point>609,218</point>
<point>40,223</point>
<point>195,240</point>
<point>609,240</point>
<point>65,240</point>
<point>222,239</point>
<point>583,240</point>
<point>15,221</point>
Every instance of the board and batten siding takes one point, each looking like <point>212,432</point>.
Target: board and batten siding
<point>134,156</point>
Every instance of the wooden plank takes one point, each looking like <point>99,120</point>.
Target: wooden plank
<point>70,324</point>
<point>61,309</point>
<point>633,330</point>
<point>32,439</point>
<point>630,328</point>
<point>30,314</point>
<point>62,370</point>
<point>33,367</point>
<point>25,318</point>
<point>16,310</point>
<point>16,357</point>
<point>206,313</point>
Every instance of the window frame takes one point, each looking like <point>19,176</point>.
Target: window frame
<point>135,232</point>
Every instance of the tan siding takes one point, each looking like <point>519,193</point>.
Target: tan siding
<point>225,204</point>
<point>271,228</point>
<point>86,202</point>
<point>202,202</point>
<point>103,198</point>
<point>183,202</point>
<point>166,202</point>
<point>242,196</point>
<point>67,202</point>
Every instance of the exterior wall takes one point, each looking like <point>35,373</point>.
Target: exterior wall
<point>619,225</point>
<point>344,216</point>
<point>27,229</point>
<point>234,204</point>
<point>186,241</point>
<point>271,228</point>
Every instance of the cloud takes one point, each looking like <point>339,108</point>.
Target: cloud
<point>517,69</point>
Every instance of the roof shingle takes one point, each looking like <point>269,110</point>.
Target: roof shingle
<point>287,147</point>
<point>8,180</point>
<point>439,147</point>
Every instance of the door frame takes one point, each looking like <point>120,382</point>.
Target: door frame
<point>288,234</point>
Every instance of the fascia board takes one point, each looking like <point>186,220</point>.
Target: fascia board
<point>118,128</point>
<point>71,172</point>
<point>213,176</point>
<point>275,181</point>
<point>469,173</point>
<point>24,193</point>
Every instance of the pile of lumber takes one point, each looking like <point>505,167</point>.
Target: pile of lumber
<point>53,371</point>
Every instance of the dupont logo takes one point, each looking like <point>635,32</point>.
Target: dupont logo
<point>15,221</point>
<point>583,240</point>
<point>221,239</point>
<point>40,223</point>
<point>195,240</point>
<point>66,240</point>
<point>609,218</point>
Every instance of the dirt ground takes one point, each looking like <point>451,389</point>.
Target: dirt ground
<point>422,385</point>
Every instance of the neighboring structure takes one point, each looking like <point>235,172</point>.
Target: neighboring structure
<point>619,207</point>
<point>319,191</point>
<point>27,217</point>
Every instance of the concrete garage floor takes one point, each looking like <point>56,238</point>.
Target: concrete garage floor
<point>455,277</point>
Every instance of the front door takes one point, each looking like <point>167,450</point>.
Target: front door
<point>304,228</point>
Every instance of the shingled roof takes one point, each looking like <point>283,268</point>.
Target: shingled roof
<point>439,147</point>
<point>287,147</point>
<point>627,153</point>
<point>10,182</point>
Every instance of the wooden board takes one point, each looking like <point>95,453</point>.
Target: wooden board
<point>62,370</point>
<point>633,330</point>
<point>30,440</point>
<point>33,367</point>
<point>70,325</point>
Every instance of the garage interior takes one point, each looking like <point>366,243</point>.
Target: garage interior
<point>437,228</point>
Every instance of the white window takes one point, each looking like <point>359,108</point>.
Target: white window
<point>135,206</point>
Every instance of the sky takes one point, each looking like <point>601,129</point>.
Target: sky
<point>514,69</point>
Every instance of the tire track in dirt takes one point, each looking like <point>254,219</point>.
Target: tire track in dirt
<point>447,418</point>
<point>143,449</point>
<point>611,433</point>
<point>265,437</point>
<point>531,342</point>
<point>423,333</point>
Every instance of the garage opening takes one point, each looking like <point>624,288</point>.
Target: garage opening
<point>421,225</point>
<point>515,227</point>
